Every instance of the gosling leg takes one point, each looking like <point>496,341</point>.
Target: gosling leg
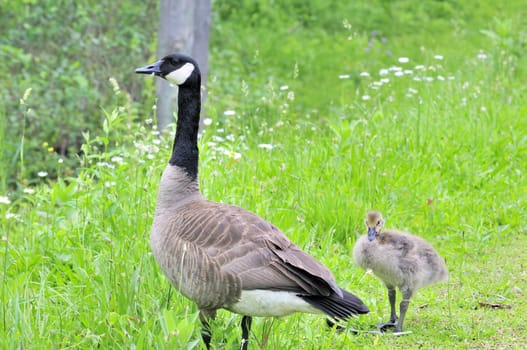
<point>246,328</point>
<point>393,314</point>
<point>206,332</point>
<point>403,307</point>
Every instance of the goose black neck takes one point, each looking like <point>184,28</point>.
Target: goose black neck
<point>185,151</point>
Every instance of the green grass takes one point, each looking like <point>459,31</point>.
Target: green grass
<point>446,162</point>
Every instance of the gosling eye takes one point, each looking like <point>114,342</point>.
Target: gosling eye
<point>379,222</point>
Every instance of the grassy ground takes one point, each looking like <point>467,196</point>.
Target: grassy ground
<point>310,142</point>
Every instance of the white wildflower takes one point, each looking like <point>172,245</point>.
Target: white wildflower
<point>408,71</point>
<point>482,56</point>
<point>11,216</point>
<point>385,80</point>
<point>207,121</point>
<point>29,190</point>
<point>284,87</point>
<point>438,57</point>
<point>364,74</point>
<point>440,77</point>
<point>290,95</point>
<point>117,159</point>
<point>366,97</point>
<point>42,173</point>
<point>25,96</point>
<point>404,59</point>
<point>266,146</point>
<point>4,200</point>
<point>383,71</point>
<point>344,76</point>
<point>115,86</point>
<point>419,67</point>
<point>229,112</point>
<point>233,155</point>
<point>399,74</point>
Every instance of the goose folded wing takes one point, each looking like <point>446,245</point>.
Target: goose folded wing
<point>264,258</point>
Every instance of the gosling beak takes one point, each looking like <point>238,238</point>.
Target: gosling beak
<point>154,69</point>
<point>371,233</point>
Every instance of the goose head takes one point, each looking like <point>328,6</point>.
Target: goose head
<point>176,68</point>
<point>374,223</point>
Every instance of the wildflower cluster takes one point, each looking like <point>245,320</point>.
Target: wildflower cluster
<point>401,73</point>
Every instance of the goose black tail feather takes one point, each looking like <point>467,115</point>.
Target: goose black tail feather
<point>337,307</point>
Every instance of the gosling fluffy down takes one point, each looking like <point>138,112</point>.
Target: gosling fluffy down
<point>400,260</point>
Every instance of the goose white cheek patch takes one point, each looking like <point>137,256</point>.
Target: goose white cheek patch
<point>179,76</point>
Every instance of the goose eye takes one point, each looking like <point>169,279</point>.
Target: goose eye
<point>379,222</point>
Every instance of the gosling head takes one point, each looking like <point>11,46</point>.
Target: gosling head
<point>374,223</point>
<point>177,68</point>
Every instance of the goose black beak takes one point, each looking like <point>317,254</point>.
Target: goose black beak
<point>154,69</point>
<point>371,233</point>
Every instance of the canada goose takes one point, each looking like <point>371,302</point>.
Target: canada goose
<point>222,256</point>
<point>400,260</point>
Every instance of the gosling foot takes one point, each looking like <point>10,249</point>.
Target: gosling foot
<point>399,333</point>
<point>384,326</point>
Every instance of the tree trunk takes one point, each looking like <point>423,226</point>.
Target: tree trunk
<point>184,26</point>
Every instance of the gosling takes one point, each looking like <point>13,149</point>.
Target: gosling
<point>400,260</point>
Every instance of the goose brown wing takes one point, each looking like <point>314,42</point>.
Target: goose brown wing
<point>259,254</point>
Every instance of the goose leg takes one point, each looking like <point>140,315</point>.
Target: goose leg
<point>393,314</point>
<point>403,307</point>
<point>206,332</point>
<point>246,327</point>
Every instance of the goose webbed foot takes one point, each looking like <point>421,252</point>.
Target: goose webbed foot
<point>331,323</point>
<point>384,326</point>
<point>339,327</point>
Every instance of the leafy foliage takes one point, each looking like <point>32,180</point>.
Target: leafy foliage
<point>65,52</point>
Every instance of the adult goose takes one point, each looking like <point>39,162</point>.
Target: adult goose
<point>400,260</point>
<point>222,256</point>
